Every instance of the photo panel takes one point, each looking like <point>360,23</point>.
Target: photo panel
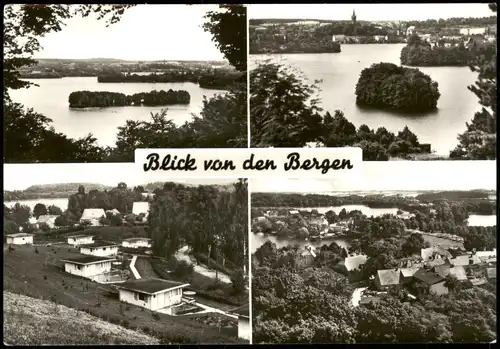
<point>401,81</point>
<point>388,259</point>
<point>107,256</point>
<point>96,82</point>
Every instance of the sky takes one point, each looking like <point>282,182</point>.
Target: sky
<point>21,176</point>
<point>395,175</point>
<point>145,32</point>
<point>370,12</point>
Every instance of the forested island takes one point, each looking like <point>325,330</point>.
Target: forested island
<point>421,53</point>
<point>388,86</point>
<point>217,79</point>
<point>101,99</point>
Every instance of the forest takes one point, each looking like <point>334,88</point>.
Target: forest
<point>221,79</point>
<point>387,86</point>
<point>420,53</point>
<point>291,305</point>
<point>30,137</point>
<point>101,99</point>
<point>477,202</point>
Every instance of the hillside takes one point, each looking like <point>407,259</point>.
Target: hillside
<point>31,321</point>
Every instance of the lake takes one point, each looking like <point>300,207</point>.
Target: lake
<point>482,220</point>
<point>59,202</point>
<point>340,72</point>
<point>51,100</point>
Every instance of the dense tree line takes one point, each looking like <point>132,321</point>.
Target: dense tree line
<point>453,21</point>
<point>292,306</point>
<point>477,202</point>
<point>479,141</point>
<point>420,53</point>
<point>29,136</point>
<point>101,99</point>
<point>210,221</point>
<point>385,85</point>
<point>285,112</point>
<point>214,79</point>
<point>59,190</point>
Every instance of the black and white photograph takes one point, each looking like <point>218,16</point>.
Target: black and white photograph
<point>91,83</point>
<point>96,254</point>
<point>402,256</point>
<point>401,81</point>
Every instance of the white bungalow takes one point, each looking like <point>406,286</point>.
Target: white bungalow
<point>140,207</point>
<point>48,219</point>
<point>136,242</point>
<point>100,249</point>
<point>90,267</point>
<point>20,239</point>
<point>76,240</point>
<point>92,216</point>
<point>242,312</point>
<point>153,294</point>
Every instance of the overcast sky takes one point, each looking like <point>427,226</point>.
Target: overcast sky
<point>145,32</point>
<point>21,176</point>
<point>370,12</point>
<point>395,175</point>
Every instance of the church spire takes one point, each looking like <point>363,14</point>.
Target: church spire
<point>353,17</point>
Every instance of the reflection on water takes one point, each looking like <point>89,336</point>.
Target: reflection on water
<point>482,220</point>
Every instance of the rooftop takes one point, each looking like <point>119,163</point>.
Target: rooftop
<point>491,273</point>
<point>428,277</point>
<point>19,235</point>
<point>80,236</point>
<point>388,277</point>
<point>354,262</point>
<point>87,259</point>
<point>137,239</point>
<point>243,310</point>
<point>99,244</point>
<point>151,285</point>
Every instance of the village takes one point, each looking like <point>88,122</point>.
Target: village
<point>111,250</point>
<point>437,267</point>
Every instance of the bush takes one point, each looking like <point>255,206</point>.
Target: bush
<point>183,269</point>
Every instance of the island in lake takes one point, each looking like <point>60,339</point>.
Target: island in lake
<point>101,99</point>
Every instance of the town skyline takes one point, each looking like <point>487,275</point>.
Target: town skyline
<point>22,176</point>
<point>369,12</point>
<point>133,38</point>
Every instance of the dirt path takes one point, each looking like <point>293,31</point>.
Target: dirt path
<point>182,255</point>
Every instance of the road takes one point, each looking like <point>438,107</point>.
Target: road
<point>182,255</point>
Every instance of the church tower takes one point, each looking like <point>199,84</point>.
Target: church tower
<point>353,18</point>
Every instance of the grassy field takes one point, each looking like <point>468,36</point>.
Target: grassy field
<point>444,243</point>
<point>40,275</point>
<point>30,321</point>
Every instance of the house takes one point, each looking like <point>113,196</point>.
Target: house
<point>153,294</point>
<point>242,312</point>
<point>20,239</point>
<point>491,273</point>
<point>407,274</point>
<point>433,281</point>
<point>136,242</point>
<point>387,278</point>
<point>487,254</point>
<point>434,256</point>
<point>90,267</point>
<point>92,216</point>
<point>459,273</point>
<point>460,260</point>
<point>113,212</point>
<point>76,240</point>
<point>140,207</point>
<point>306,258</point>
<point>100,249</point>
<point>442,270</point>
<point>48,219</point>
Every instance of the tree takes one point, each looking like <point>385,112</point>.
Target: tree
<point>54,210</point>
<point>39,210</point>
<point>478,142</point>
<point>20,214</point>
<point>238,282</point>
<point>115,220</point>
<point>61,221</point>
<point>229,32</point>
